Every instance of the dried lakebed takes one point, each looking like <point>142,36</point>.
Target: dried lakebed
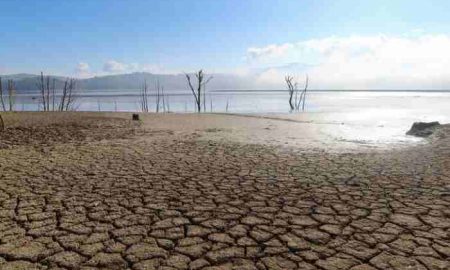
<point>110,194</point>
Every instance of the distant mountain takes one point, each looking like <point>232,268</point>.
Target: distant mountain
<point>172,82</point>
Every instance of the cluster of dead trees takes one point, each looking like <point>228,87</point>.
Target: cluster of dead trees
<point>8,104</point>
<point>161,100</point>
<point>53,99</point>
<point>297,97</point>
<point>197,84</point>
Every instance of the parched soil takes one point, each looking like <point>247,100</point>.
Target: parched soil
<point>112,194</point>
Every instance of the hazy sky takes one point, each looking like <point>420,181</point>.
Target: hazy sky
<point>339,43</point>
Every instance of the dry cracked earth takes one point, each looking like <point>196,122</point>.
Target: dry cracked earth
<point>117,196</point>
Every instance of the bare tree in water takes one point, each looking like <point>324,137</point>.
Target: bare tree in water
<point>11,94</point>
<point>68,96</point>
<point>144,97</point>
<point>47,89</point>
<point>199,89</point>
<point>297,98</point>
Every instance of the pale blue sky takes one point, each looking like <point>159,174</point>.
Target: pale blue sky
<point>88,37</point>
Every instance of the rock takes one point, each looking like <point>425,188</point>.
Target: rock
<point>422,129</point>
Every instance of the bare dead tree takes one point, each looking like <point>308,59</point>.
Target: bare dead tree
<point>197,92</point>
<point>11,94</point>
<point>41,86</point>
<point>302,98</point>
<point>158,96</point>
<point>291,89</point>
<point>47,91</point>
<point>68,95</point>
<point>304,92</point>
<point>165,99</point>
<point>53,94</point>
<point>296,99</point>
<point>210,103</point>
<point>167,103</point>
<point>144,97</point>
<point>2,101</point>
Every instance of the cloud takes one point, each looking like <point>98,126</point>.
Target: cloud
<point>113,66</point>
<point>269,51</point>
<point>83,70</point>
<point>417,61</point>
<point>82,67</point>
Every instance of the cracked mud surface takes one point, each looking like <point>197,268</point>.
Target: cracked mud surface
<point>116,196</point>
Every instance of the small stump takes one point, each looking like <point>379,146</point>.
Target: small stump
<point>135,117</point>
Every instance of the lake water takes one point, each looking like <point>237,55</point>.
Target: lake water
<point>361,116</point>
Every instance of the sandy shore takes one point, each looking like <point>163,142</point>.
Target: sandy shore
<point>99,191</point>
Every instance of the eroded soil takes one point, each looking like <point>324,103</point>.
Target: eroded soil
<point>116,196</point>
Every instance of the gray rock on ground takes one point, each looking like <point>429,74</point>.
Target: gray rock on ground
<point>423,129</point>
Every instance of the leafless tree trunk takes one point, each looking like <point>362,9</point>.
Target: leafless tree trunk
<point>46,90</point>
<point>163,96</point>
<point>53,94</point>
<point>210,104</point>
<point>296,100</point>
<point>11,94</point>
<point>291,89</point>
<point>2,101</point>
<point>144,97</point>
<point>68,95</point>
<point>48,93</point>
<point>41,86</point>
<point>304,93</point>
<point>197,92</point>
<point>158,95</point>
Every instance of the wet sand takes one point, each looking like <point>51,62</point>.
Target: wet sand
<point>99,191</point>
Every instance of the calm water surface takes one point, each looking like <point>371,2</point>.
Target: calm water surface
<point>361,116</point>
